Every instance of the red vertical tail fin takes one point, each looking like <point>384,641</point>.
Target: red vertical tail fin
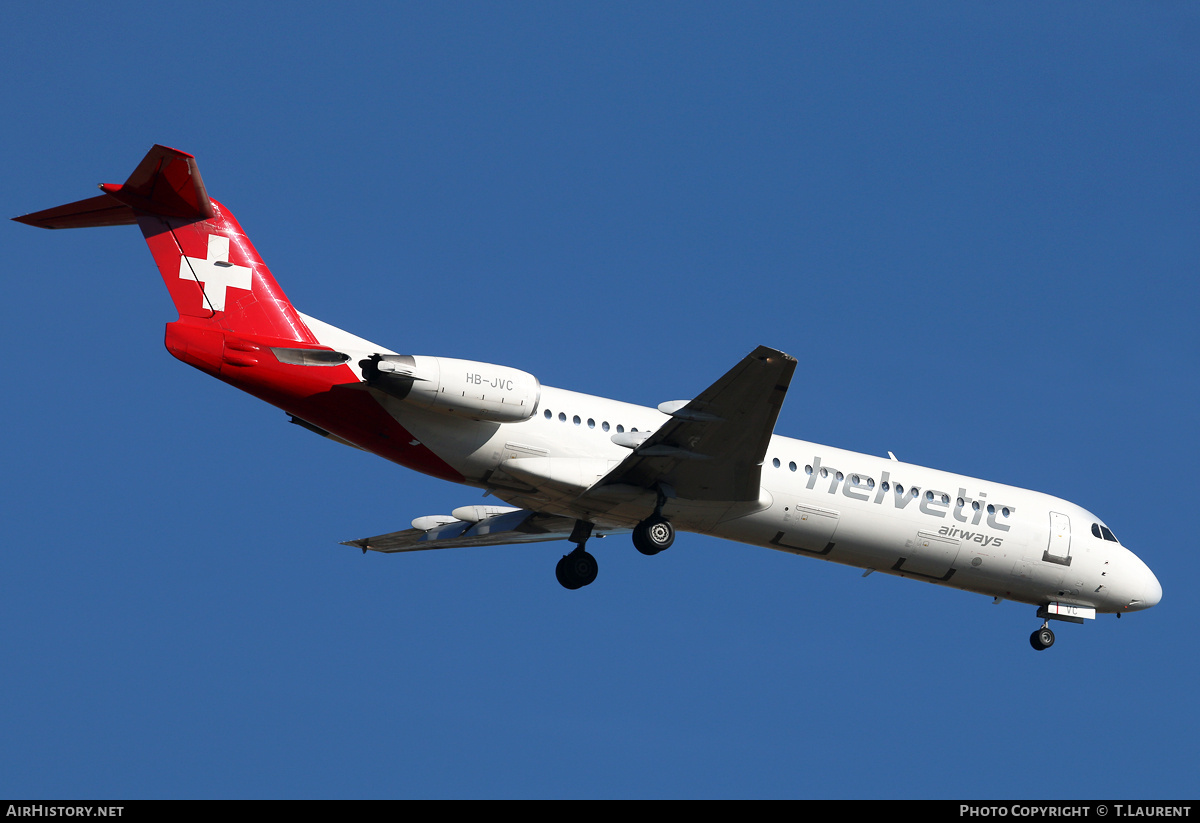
<point>211,269</point>
<point>214,274</point>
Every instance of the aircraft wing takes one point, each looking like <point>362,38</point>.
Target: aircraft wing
<point>714,445</point>
<point>520,526</point>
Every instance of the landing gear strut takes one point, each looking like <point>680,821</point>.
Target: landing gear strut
<point>578,568</point>
<point>1043,638</point>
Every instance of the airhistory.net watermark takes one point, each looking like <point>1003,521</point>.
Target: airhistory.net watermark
<point>43,810</point>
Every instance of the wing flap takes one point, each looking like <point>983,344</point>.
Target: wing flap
<point>521,526</point>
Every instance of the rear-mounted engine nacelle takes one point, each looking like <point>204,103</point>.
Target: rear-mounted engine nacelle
<point>481,391</point>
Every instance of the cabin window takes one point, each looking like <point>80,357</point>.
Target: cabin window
<point>591,423</point>
<point>775,462</point>
<point>562,417</point>
<point>604,425</point>
<point>887,487</point>
<point>792,466</point>
<point>808,469</point>
<point>576,420</point>
<point>620,428</point>
<point>549,414</point>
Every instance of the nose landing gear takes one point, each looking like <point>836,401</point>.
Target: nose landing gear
<point>1043,638</point>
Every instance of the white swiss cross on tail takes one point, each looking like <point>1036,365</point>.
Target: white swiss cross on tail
<point>216,273</point>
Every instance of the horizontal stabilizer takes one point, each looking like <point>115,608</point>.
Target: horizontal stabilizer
<point>95,211</point>
<point>166,182</point>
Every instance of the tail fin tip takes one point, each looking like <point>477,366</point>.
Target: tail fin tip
<point>167,182</point>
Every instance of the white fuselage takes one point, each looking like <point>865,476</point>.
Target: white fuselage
<point>850,508</point>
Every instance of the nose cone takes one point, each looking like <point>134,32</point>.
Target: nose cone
<point>1150,589</point>
<point>1153,589</point>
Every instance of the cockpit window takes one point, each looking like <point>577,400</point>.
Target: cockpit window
<point>1096,531</point>
<point>1104,533</point>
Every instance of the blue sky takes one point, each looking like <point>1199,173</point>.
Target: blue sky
<point>973,224</point>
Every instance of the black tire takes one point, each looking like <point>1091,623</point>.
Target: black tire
<point>565,574</point>
<point>1042,639</point>
<point>576,570</point>
<point>586,567</point>
<point>653,535</point>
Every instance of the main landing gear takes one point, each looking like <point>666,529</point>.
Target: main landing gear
<point>576,569</point>
<point>579,568</point>
<point>1043,638</point>
<point>653,535</point>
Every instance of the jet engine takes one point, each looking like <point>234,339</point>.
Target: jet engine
<point>480,391</point>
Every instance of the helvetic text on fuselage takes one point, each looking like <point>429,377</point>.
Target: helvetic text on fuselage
<point>932,502</point>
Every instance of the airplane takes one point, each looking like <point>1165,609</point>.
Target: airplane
<point>574,467</point>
